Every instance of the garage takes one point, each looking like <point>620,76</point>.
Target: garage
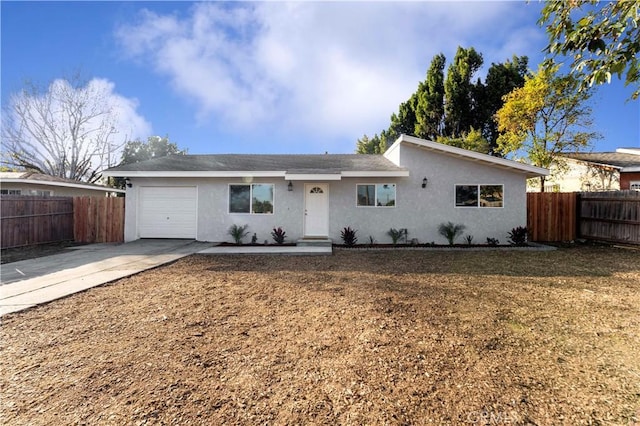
<point>167,212</point>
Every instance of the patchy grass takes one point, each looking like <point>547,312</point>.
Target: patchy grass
<point>400,337</point>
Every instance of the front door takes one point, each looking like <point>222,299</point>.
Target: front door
<point>316,210</point>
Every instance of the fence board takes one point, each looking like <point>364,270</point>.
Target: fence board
<point>30,220</point>
<point>551,216</point>
<point>610,216</point>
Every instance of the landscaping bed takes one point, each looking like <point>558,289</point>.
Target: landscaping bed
<point>361,337</point>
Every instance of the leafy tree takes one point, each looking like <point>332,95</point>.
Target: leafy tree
<point>155,146</point>
<point>473,141</point>
<point>65,129</point>
<point>137,151</point>
<point>501,79</point>
<point>375,145</point>
<point>602,40</point>
<point>545,117</point>
<point>458,91</point>
<point>430,104</point>
<point>456,111</point>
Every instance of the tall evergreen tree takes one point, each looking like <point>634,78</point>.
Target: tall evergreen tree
<point>458,92</point>
<point>430,105</point>
<point>501,80</point>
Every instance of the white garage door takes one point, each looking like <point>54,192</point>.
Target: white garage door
<point>167,212</point>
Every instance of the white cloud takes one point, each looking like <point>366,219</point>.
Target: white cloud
<point>334,69</point>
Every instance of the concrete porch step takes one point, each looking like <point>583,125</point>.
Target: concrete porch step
<point>314,242</point>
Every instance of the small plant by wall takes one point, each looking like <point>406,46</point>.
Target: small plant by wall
<point>451,231</point>
<point>518,236</point>
<point>469,239</point>
<point>279,235</point>
<point>348,236</point>
<point>492,241</point>
<point>398,235</point>
<point>238,233</point>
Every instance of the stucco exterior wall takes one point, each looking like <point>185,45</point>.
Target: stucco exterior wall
<point>422,210</point>
<point>417,209</point>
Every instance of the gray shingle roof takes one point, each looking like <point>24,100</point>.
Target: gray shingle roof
<point>616,159</point>
<point>315,163</point>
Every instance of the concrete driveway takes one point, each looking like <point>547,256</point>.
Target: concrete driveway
<point>32,282</point>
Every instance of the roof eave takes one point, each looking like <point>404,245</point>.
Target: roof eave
<point>527,169</point>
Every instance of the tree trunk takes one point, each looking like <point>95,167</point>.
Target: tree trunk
<point>541,183</point>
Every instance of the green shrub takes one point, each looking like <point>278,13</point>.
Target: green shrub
<point>348,236</point>
<point>469,239</point>
<point>518,236</point>
<point>278,235</point>
<point>238,233</point>
<point>396,235</point>
<point>451,231</point>
<point>492,241</point>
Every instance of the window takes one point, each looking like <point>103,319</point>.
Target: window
<point>376,195</point>
<point>255,199</point>
<point>40,193</point>
<point>634,185</point>
<point>10,191</point>
<point>479,196</point>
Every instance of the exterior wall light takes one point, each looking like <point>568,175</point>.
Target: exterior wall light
<point>127,181</point>
<point>290,186</point>
<point>424,182</point>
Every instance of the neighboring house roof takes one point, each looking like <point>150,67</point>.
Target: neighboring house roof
<point>42,179</point>
<point>527,169</point>
<point>291,167</point>
<point>624,159</point>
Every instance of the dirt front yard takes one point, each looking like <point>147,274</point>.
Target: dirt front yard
<point>361,337</point>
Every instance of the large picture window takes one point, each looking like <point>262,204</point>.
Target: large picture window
<point>376,195</point>
<point>479,195</point>
<point>255,199</point>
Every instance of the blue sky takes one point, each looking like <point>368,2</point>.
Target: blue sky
<point>272,77</point>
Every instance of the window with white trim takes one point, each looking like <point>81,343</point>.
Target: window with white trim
<point>376,195</point>
<point>634,185</point>
<point>479,195</point>
<point>254,198</point>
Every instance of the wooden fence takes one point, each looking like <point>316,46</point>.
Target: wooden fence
<point>35,220</point>
<point>602,216</point>
<point>98,219</point>
<point>610,216</point>
<point>28,220</point>
<point>551,216</point>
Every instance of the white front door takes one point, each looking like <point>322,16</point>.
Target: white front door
<point>316,210</point>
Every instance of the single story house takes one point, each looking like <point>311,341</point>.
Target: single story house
<point>417,184</point>
<point>32,183</point>
<point>596,171</point>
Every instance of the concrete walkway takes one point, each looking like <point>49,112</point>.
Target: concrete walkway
<point>32,282</point>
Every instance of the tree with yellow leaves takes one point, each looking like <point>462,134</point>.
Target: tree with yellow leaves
<point>547,116</point>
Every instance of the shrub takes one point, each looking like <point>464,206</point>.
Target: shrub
<point>518,236</point>
<point>254,238</point>
<point>278,235</point>
<point>451,231</point>
<point>397,235</point>
<point>469,239</point>
<point>492,241</point>
<point>372,240</point>
<point>238,233</point>
<point>348,236</point>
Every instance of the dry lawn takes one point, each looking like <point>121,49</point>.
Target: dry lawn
<point>387,337</point>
